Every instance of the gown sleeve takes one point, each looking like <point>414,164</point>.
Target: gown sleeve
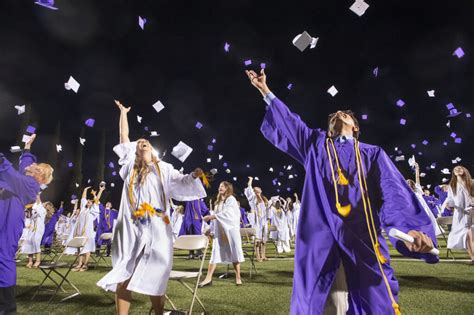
<point>26,159</point>
<point>126,153</point>
<point>400,208</point>
<point>184,187</point>
<point>250,194</point>
<point>230,216</point>
<point>286,131</point>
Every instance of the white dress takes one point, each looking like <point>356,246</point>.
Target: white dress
<point>32,242</point>
<point>460,201</point>
<point>143,252</point>
<point>176,222</point>
<point>419,194</point>
<point>84,226</point>
<point>258,215</point>
<point>227,243</point>
<point>281,236</point>
<point>296,217</point>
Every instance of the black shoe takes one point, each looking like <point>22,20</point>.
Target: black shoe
<point>205,285</point>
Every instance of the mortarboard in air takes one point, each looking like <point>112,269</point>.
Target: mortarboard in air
<point>154,134</point>
<point>112,185</point>
<point>400,103</point>
<point>458,52</point>
<point>214,141</point>
<point>263,65</point>
<point>114,173</point>
<point>139,119</point>
<point>47,4</point>
<point>111,165</point>
<point>72,84</point>
<point>181,151</point>
<point>376,71</point>
<point>15,149</point>
<point>450,106</point>
<point>431,93</point>
<point>59,148</point>
<point>227,171</point>
<point>364,117</point>
<point>433,166</point>
<point>403,121</point>
<point>20,108</point>
<point>82,140</point>
<point>468,115</point>
<point>270,169</point>
<point>234,178</point>
<point>158,106</point>
<point>210,147</point>
<point>220,157</point>
<point>198,125</point>
<point>359,7</point>
<point>399,158</point>
<point>333,91</point>
<point>453,135</point>
<point>422,174</point>
<point>248,62</point>
<point>30,129</point>
<point>208,160</point>
<point>141,22</point>
<point>453,113</point>
<point>304,40</point>
<point>225,164</point>
<point>213,171</point>
<point>445,143</point>
<point>445,171</point>
<point>413,145</point>
<point>412,161</point>
<point>226,47</point>
<point>448,124</point>
<point>289,86</point>
<point>458,140</point>
<point>425,142</point>
<point>90,122</point>
<point>444,180</point>
<point>25,138</point>
<point>256,178</point>
<point>70,164</point>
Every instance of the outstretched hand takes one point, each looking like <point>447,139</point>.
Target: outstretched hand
<point>30,142</point>
<point>121,107</point>
<point>258,80</point>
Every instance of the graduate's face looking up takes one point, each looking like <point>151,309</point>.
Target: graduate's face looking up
<point>343,122</point>
<point>143,147</point>
<point>458,171</point>
<point>257,191</point>
<point>108,205</point>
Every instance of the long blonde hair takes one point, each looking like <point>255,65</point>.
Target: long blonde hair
<point>466,177</point>
<point>141,167</point>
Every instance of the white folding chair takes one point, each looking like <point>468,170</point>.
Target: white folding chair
<point>103,249</point>
<point>190,242</point>
<point>248,238</point>
<point>53,267</point>
<point>445,221</point>
<point>273,228</point>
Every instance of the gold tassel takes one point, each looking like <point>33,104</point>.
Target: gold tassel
<point>205,180</point>
<point>396,309</point>
<point>342,180</point>
<point>382,259</point>
<point>343,210</point>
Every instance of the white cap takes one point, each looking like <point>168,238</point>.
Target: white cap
<point>82,140</point>
<point>332,90</point>
<point>15,149</point>
<point>158,106</point>
<point>303,40</point>
<point>25,138</point>
<point>72,84</point>
<point>181,151</point>
<point>59,148</point>
<point>359,7</point>
<point>20,109</point>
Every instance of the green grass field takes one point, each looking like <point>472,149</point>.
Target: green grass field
<point>444,288</point>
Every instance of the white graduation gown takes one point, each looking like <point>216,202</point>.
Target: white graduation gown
<point>32,242</point>
<point>176,222</point>
<point>258,215</point>
<point>279,219</point>
<point>419,194</point>
<point>227,243</point>
<point>296,217</point>
<point>143,252</point>
<point>84,226</point>
<point>460,201</point>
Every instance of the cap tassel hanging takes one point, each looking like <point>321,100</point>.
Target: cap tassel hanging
<point>343,210</point>
<point>381,257</point>
<point>342,180</point>
<point>396,308</point>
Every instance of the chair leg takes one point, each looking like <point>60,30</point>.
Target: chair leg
<point>41,284</point>
<point>171,302</point>
<point>195,296</point>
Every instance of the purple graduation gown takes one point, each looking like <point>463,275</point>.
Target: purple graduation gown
<point>192,220</point>
<point>244,220</point>
<point>16,191</point>
<point>324,238</point>
<point>49,229</point>
<point>442,195</point>
<point>105,224</point>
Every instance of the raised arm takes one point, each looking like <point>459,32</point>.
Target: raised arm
<point>417,174</point>
<point>123,123</point>
<point>297,200</point>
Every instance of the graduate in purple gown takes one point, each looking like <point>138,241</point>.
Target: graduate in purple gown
<point>244,220</point>
<point>194,211</point>
<point>105,224</point>
<point>17,189</point>
<point>352,190</point>
<point>442,192</point>
<point>52,218</point>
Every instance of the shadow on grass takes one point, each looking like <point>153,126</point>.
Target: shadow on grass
<point>436,284</point>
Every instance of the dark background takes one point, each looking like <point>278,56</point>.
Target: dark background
<point>179,59</point>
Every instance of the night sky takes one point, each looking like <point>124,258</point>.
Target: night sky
<point>179,59</point>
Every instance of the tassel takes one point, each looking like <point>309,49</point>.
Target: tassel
<point>205,180</point>
<point>343,210</point>
<point>396,309</point>
<point>342,180</point>
<point>381,258</point>
<point>29,206</point>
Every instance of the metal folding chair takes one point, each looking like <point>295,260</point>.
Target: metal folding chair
<point>273,228</point>
<point>53,268</point>
<point>103,249</point>
<point>248,238</point>
<point>445,221</point>
<point>190,242</point>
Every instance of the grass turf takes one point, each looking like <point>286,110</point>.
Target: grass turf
<point>443,288</point>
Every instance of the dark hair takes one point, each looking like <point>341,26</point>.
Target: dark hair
<point>352,115</point>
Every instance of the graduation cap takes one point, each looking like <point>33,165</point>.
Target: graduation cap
<point>30,129</point>
<point>303,40</point>
<point>359,7</point>
<point>431,93</point>
<point>158,106</point>
<point>453,113</point>
<point>139,119</point>
<point>72,84</point>
<point>90,122</point>
<point>82,140</point>
<point>248,62</point>
<point>59,148</point>
<point>289,86</point>
<point>141,22</point>
<point>181,151</point>
<point>49,4</point>
<point>25,138</point>
<point>333,91</point>
<point>458,52</point>
<point>263,65</point>
<point>376,71</point>
<point>15,149</point>
<point>400,103</point>
<point>70,164</point>
<point>226,47</point>
<point>20,109</point>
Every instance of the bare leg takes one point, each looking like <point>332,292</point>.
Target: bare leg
<point>38,260</point>
<point>470,244</point>
<point>123,297</point>
<point>210,272</point>
<point>238,281</point>
<point>79,264</point>
<point>88,256</point>
<point>257,251</point>
<point>30,261</point>
<point>264,250</point>
<point>158,304</point>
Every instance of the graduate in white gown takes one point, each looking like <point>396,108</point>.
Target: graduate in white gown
<point>279,218</point>
<point>32,242</point>
<point>295,216</point>
<point>227,242</point>
<point>259,216</point>
<point>84,226</point>
<point>142,246</point>
<point>460,198</point>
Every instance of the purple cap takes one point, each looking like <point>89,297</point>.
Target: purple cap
<point>146,128</point>
<point>289,86</point>
<point>90,122</point>
<point>114,173</point>
<point>458,140</point>
<point>73,197</point>
<point>198,125</point>
<point>47,4</point>
<point>248,165</point>
<point>458,52</point>
<point>419,153</point>
<point>225,164</point>
<point>403,122</point>
<point>450,106</point>
<point>413,145</point>
<point>445,143</point>
<point>400,103</point>
<point>30,129</point>
<point>425,142</point>
<point>111,165</point>
<point>248,62</point>
<point>453,135</point>
<point>454,112</point>
<point>263,65</point>
<point>210,147</point>
<point>70,164</point>
<point>226,47</point>
<point>364,117</point>
<point>275,181</point>
<point>376,71</point>
<point>288,189</point>
<point>141,22</point>
<point>214,141</point>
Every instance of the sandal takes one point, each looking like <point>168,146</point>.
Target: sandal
<point>83,268</point>
<point>77,268</point>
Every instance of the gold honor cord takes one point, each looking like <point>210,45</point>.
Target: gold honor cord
<point>343,210</point>
<point>371,225</point>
